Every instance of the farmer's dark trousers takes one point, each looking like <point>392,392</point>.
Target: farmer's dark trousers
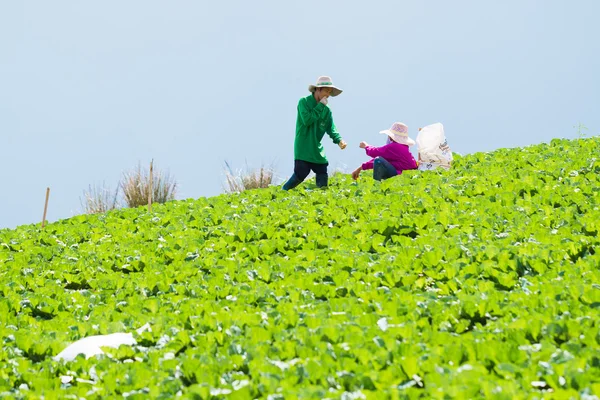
<point>301,171</point>
<point>382,169</point>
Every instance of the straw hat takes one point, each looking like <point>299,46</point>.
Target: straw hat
<point>325,81</point>
<point>399,134</point>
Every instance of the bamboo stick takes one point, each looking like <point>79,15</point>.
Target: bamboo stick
<point>151,189</point>
<point>45,207</point>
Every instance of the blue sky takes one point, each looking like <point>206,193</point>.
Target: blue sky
<point>90,89</point>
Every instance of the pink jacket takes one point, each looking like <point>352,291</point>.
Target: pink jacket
<point>395,153</point>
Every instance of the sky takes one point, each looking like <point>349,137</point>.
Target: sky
<point>89,90</point>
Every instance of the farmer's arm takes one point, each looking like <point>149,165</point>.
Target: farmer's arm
<point>367,165</point>
<point>373,151</point>
<point>309,117</point>
<point>364,166</point>
<point>333,133</point>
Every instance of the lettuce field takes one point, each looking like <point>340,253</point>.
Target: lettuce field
<point>478,282</point>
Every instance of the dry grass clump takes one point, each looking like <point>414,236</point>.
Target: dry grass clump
<point>100,199</point>
<point>248,179</point>
<point>136,187</point>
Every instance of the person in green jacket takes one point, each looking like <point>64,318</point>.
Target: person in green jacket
<point>314,119</point>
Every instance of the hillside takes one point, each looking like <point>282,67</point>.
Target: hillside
<point>478,282</point>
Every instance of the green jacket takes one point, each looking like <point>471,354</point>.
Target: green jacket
<point>314,119</point>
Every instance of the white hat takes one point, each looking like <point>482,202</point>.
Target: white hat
<point>325,81</point>
<point>399,134</point>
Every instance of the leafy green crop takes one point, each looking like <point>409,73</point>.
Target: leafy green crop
<point>478,282</point>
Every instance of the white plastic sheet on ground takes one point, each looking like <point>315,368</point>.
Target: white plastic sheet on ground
<point>92,345</point>
<point>433,148</point>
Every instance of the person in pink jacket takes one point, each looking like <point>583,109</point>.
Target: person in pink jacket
<point>391,159</point>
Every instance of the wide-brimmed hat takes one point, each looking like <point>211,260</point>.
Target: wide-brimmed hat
<point>399,134</point>
<point>325,81</point>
